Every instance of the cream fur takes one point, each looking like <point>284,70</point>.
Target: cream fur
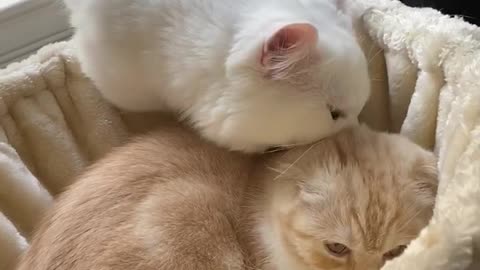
<point>169,200</point>
<point>349,188</point>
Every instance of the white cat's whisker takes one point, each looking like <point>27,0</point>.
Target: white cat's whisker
<point>370,50</point>
<point>273,150</point>
<point>282,147</point>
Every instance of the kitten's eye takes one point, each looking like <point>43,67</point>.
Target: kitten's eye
<point>337,249</point>
<point>394,252</point>
<point>336,114</point>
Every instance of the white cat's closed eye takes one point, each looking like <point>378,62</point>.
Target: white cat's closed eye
<point>335,113</point>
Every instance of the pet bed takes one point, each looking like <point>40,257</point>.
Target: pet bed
<point>425,72</point>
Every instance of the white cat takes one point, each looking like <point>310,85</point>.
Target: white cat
<point>248,74</point>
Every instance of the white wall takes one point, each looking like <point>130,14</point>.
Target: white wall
<point>27,25</point>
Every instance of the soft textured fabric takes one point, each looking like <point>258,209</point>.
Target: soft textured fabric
<point>425,71</point>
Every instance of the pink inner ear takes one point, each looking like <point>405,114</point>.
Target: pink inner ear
<point>288,45</point>
<point>291,36</point>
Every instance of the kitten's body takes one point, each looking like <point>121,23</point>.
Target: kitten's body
<point>173,202</point>
<point>247,74</point>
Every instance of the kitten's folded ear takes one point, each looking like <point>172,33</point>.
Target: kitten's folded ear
<point>287,47</point>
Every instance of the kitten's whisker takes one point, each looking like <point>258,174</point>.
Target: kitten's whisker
<point>274,169</point>
<point>406,223</point>
<point>296,161</point>
<point>373,57</point>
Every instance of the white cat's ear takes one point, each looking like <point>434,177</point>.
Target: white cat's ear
<point>287,47</point>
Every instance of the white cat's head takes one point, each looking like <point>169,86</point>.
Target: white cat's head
<point>288,82</point>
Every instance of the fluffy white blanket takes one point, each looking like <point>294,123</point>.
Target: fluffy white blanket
<point>425,70</point>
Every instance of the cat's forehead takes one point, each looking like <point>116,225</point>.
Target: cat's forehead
<point>365,186</point>
<point>370,217</point>
<point>365,166</point>
<point>357,152</point>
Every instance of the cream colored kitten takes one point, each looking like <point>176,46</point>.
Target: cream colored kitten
<point>170,201</point>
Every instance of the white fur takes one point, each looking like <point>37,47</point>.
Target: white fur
<point>201,59</point>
